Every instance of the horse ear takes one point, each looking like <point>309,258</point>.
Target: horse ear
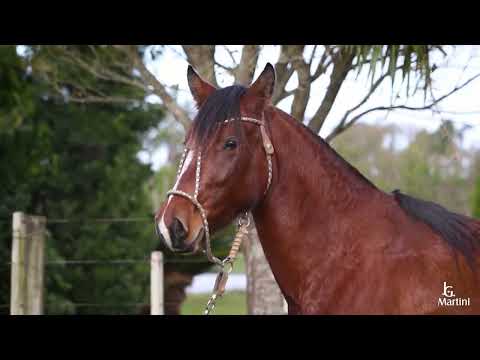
<point>264,85</point>
<point>199,88</point>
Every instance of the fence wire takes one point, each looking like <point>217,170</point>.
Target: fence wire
<point>119,262</point>
<point>115,262</point>
<point>100,220</point>
<point>90,220</point>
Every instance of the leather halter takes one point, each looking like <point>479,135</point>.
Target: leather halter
<point>269,150</point>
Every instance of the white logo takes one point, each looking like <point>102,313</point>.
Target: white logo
<point>449,299</point>
<point>446,291</point>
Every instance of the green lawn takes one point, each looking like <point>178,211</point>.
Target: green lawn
<point>231,303</point>
<point>239,264</point>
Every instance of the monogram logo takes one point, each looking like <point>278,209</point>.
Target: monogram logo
<point>446,292</point>
<point>448,297</point>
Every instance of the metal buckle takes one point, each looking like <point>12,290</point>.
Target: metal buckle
<point>244,220</point>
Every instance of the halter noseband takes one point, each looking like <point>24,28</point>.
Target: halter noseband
<point>269,150</point>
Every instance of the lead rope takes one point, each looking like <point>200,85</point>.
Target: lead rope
<point>226,265</point>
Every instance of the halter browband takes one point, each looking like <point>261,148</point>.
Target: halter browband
<point>269,150</point>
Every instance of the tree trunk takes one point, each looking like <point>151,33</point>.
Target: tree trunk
<point>263,294</point>
<point>175,294</point>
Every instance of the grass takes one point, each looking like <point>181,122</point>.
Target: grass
<point>239,265</point>
<point>231,303</point>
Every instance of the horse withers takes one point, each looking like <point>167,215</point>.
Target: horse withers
<point>336,243</point>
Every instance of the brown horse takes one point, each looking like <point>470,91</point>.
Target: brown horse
<point>336,243</point>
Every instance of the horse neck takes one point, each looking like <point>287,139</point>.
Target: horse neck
<point>312,188</point>
<point>306,166</point>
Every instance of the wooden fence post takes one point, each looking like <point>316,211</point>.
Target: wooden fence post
<point>28,260</point>
<point>156,283</point>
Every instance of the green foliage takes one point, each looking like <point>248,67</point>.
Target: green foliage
<point>431,167</point>
<point>68,160</point>
<point>77,162</point>
<point>476,199</point>
<point>15,100</point>
<point>408,58</point>
<point>86,70</point>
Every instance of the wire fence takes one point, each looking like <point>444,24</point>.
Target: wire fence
<point>118,262</point>
<point>92,220</point>
<point>140,305</point>
<point>70,306</point>
<point>101,220</point>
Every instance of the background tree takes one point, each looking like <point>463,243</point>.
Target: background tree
<point>309,65</point>
<point>71,161</point>
<point>431,166</point>
<point>476,199</point>
<point>476,194</point>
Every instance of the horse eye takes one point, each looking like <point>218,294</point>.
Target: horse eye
<point>230,144</point>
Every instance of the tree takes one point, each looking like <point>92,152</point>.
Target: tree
<point>476,199</point>
<point>74,162</point>
<point>432,166</point>
<point>309,64</point>
<point>476,192</point>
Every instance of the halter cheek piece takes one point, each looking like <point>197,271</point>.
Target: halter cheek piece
<point>269,150</point>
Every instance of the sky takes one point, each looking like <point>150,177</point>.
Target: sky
<point>463,108</point>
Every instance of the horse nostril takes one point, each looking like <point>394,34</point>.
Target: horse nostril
<point>177,232</point>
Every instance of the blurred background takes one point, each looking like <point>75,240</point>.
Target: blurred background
<point>91,136</point>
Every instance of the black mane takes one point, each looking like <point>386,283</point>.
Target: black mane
<point>223,104</point>
<point>459,231</point>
